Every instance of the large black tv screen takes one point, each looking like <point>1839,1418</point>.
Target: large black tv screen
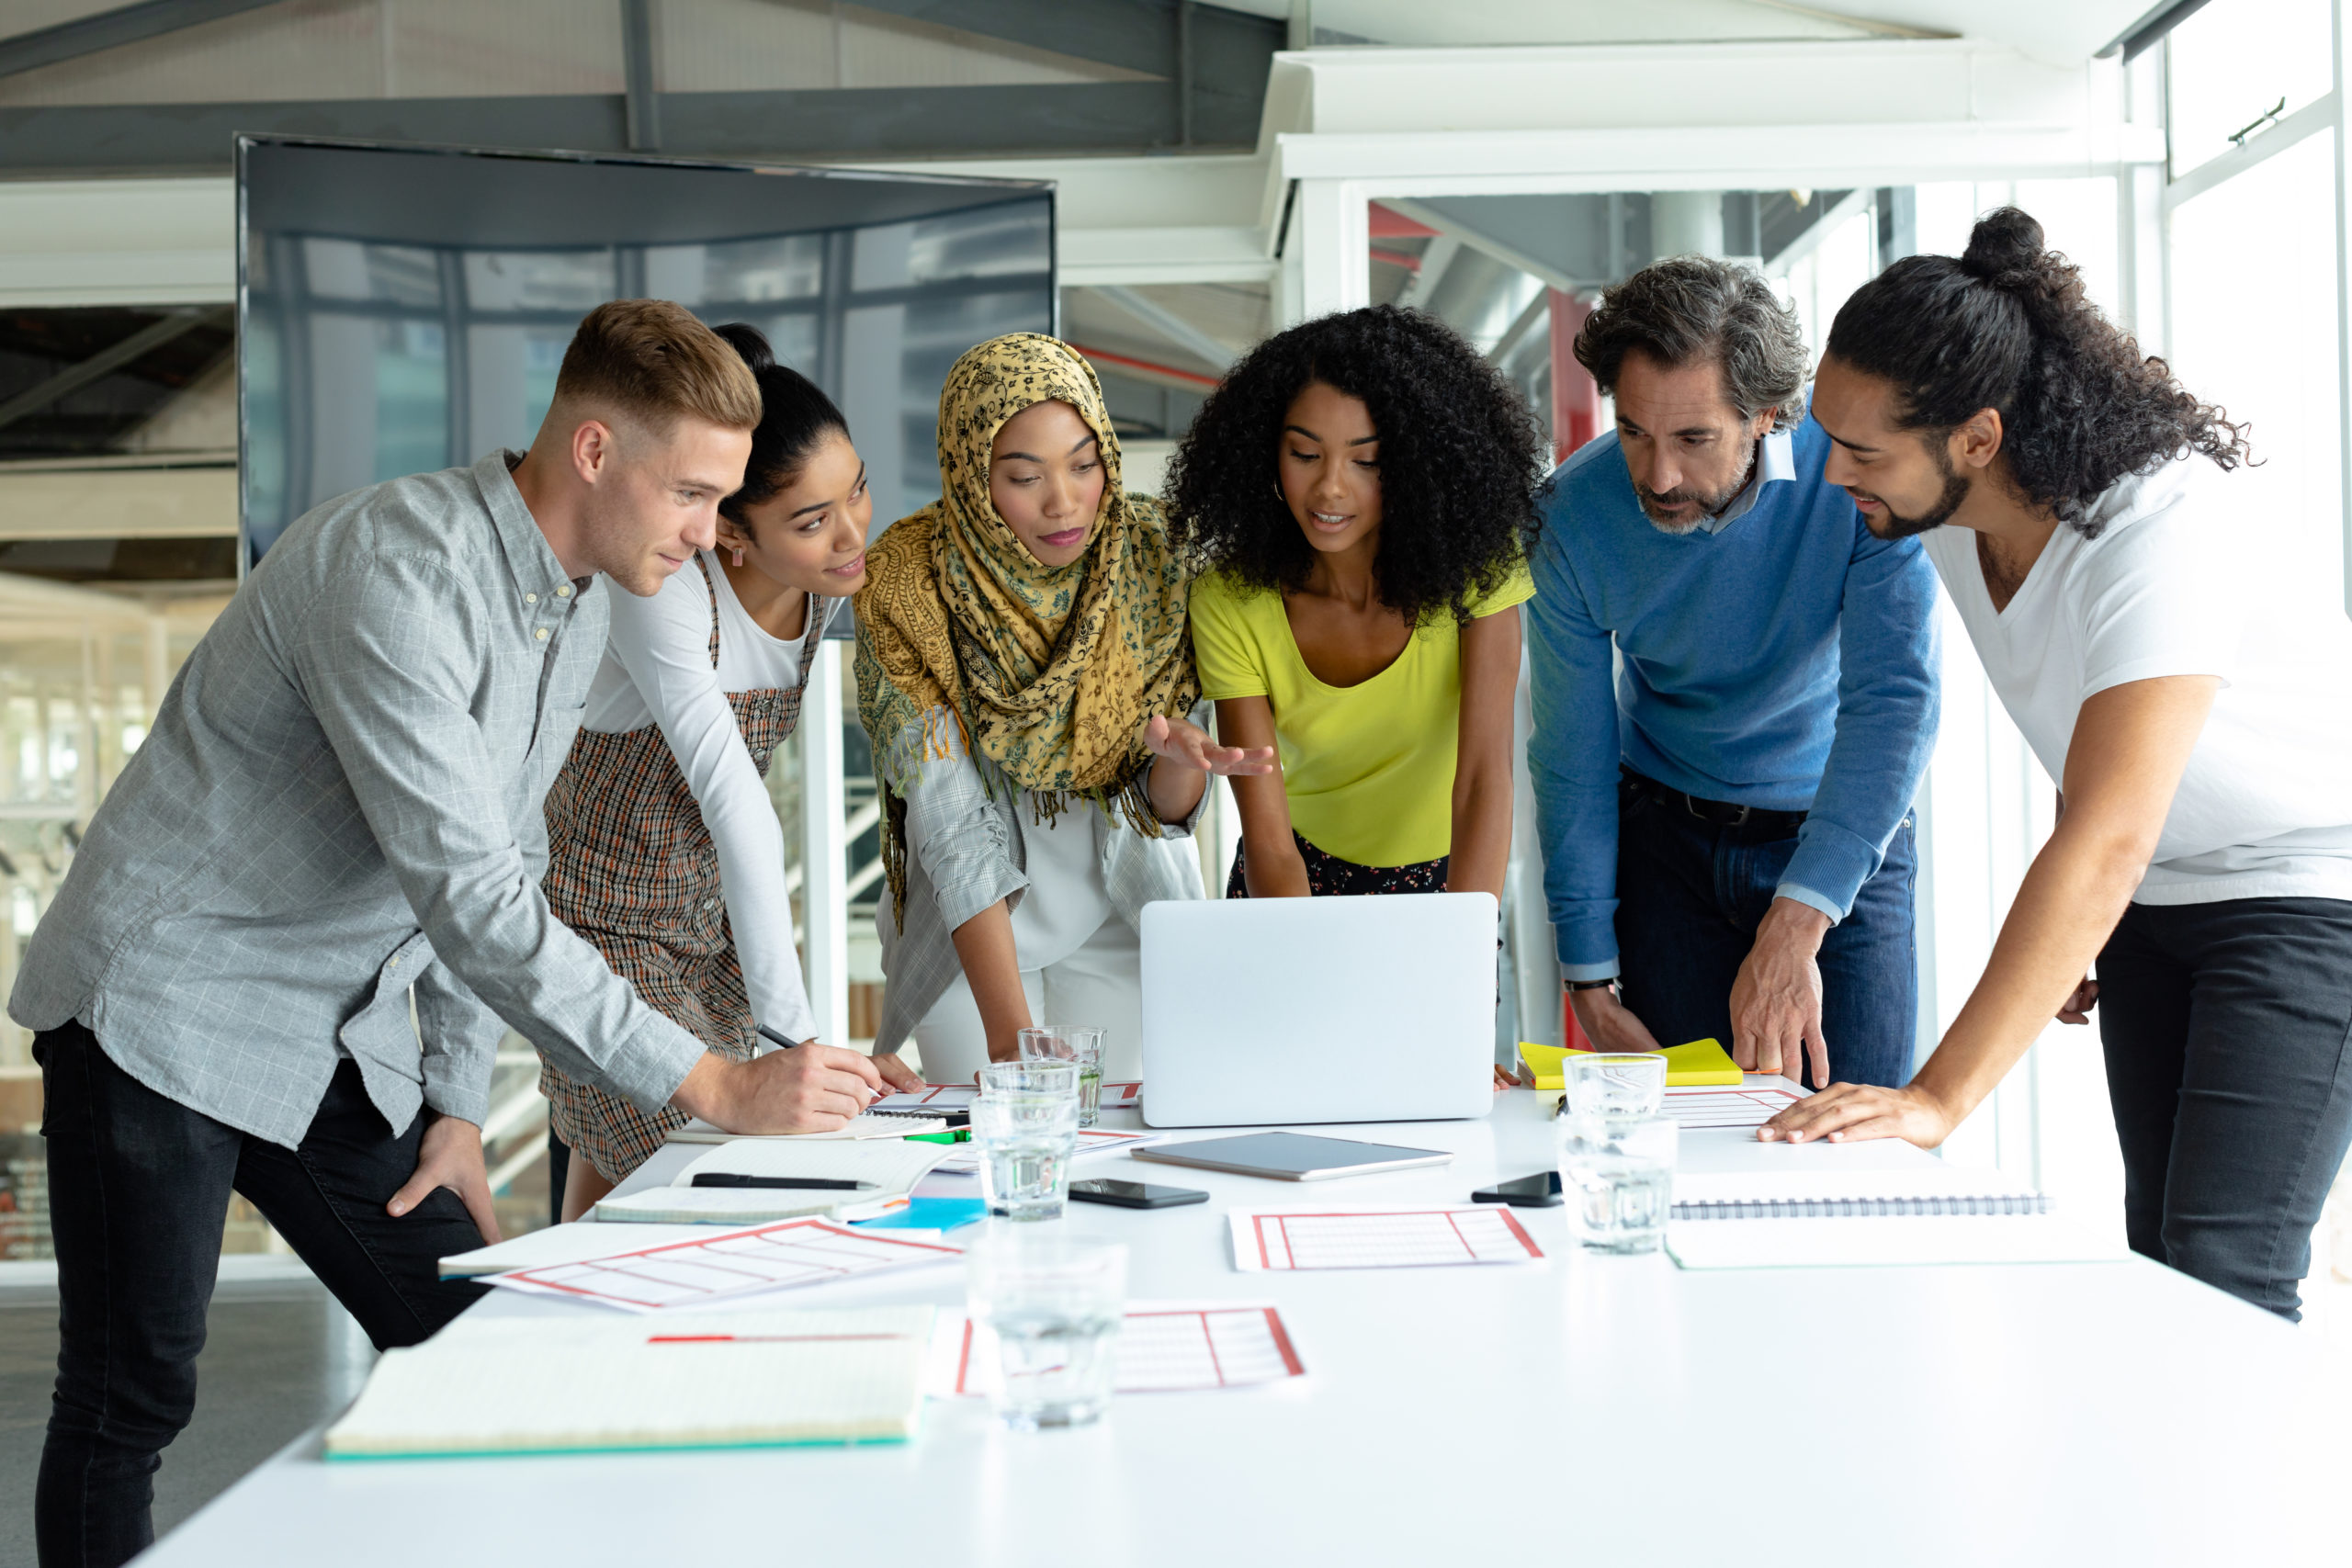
<point>405,308</point>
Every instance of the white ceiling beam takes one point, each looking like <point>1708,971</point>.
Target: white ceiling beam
<point>1710,158</point>
<point>1093,258</point>
<point>118,503</point>
<point>163,242</point>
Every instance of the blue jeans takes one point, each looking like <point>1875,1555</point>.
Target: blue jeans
<point>1689,897</point>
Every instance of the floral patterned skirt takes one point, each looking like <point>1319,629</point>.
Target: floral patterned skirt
<point>1328,876</point>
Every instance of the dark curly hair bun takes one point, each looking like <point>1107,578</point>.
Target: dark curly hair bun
<point>2006,243</point>
<point>2007,326</point>
<point>1460,459</point>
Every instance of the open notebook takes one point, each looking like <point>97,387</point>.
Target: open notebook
<point>892,1166</point>
<point>541,1385</point>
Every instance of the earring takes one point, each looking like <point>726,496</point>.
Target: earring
<point>739,557</point>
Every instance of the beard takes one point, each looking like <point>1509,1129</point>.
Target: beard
<point>1955,494</point>
<point>1653,502</point>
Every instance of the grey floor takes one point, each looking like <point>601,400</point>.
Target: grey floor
<point>281,1355</point>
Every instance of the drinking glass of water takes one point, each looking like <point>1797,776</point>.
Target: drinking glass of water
<point>1055,1303</point>
<point>1076,1043</point>
<point>1618,1084</point>
<point>1025,1125</point>
<point>1617,1177</point>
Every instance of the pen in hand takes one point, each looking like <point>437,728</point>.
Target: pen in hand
<point>773,1038</point>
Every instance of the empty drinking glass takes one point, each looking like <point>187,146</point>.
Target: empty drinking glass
<point>1616,1084</point>
<point>1617,1177</point>
<point>1081,1044</point>
<point>1055,1303</point>
<point>1024,1126</point>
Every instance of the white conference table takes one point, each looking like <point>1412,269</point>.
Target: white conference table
<point>1584,1409</point>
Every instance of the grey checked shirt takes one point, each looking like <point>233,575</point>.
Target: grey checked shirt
<point>340,802</point>
<point>975,822</point>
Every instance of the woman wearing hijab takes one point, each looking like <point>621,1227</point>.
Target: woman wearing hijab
<point>1025,674</point>
<point>664,849</point>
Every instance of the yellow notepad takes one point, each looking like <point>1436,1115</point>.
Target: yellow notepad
<point>1687,1066</point>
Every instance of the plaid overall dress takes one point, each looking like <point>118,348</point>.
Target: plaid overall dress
<point>631,868</point>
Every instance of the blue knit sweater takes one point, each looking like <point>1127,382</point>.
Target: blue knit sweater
<point>1786,661</point>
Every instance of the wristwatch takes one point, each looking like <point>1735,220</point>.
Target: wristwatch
<point>1590,985</point>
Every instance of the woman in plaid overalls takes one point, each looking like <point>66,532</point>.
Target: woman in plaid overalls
<point>664,848</point>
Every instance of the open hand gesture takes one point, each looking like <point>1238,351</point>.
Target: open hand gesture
<point>1188,745</point>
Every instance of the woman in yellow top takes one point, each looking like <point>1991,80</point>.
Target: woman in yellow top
<point>1361,491</point>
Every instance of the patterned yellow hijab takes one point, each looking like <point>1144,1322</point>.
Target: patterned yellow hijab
<point>1052,672</point>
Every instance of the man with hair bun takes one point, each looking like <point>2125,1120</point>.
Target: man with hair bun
<point>2077,501</point>
<point>336,815</point>
<point>1728,838</point>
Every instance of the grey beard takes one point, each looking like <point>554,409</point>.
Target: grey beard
<point>1707,509</point>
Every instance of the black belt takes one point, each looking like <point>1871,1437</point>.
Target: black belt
<point>1761,820</point>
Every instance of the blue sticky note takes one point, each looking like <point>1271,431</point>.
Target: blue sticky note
<point>928,1214</point>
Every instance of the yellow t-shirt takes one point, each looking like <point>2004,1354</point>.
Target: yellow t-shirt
<point>1368,768</point>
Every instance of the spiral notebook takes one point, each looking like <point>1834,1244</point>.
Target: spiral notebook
<point>1934,1215</point>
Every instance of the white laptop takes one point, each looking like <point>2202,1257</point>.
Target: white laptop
<point>1266,1011</point>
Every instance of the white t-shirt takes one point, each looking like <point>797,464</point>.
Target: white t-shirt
<point>2265,808</point>
<point>656,670</point>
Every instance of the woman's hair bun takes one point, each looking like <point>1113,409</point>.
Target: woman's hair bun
<point>751,343</point>
<point>2004,242</point>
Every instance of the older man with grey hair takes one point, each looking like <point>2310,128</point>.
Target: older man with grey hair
<point>1727,837</point>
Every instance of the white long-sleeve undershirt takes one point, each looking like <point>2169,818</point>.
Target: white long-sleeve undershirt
<point>657,671</point>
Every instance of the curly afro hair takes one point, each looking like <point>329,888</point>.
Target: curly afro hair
<point>1460,459</point>
<point>2007,326</point>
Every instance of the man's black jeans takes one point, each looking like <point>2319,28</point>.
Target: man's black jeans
<point>139,1190</point>
<point>2226,1028</point>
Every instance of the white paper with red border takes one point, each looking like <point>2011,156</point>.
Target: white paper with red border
<point>1344,1236</point>
<point>966,1161</point>
<point>1164,1347</point>
<point>726,1265</point>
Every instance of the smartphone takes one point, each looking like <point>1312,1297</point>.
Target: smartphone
<point>1541,1190</point>
<point>1135,1194</point>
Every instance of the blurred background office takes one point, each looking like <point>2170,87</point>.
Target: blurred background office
<point>1217,170</point>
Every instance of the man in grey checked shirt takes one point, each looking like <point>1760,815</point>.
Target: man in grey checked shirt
<point>338,812</point>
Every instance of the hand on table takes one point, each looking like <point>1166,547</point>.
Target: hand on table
<point>1776,1000</point>
<point>897,1076</point>
<point>449,1156</point>
<point>1848,1112</point>
<point>1186,743</point>
<point>1503,1079</point>
<point>2077,1008</point>
<point>1608,1023</point>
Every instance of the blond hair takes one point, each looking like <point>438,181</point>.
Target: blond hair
<point>652,362</point>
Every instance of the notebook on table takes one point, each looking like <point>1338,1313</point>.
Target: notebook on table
<point>509,1386</point>
<point>1878,1218</point>
<point>884,1121</point>
<point>891,1167</point>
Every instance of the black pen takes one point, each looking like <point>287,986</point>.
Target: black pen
<point>822,1183</point>
<point>773,1038</point>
